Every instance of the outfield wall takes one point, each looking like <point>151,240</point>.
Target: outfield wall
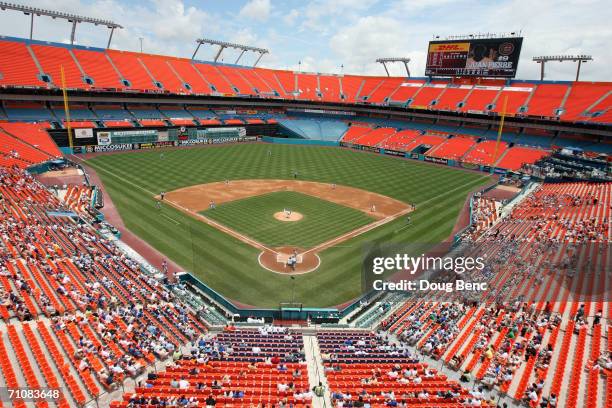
<point>310,142</point>
<point>428,159</point>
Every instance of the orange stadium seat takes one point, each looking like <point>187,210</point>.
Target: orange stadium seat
<point>369,85</point>
<point>97,67</point>
<point>450,98</point>
<point>428,141</point>
<point>454,148</point>
<point>406,90</point>
<point>486,153</point>
<point>255,77</point>
<point>330,88</point>
<point>400,140</point>
<point>33,133</point>
<point>517,156</point>
<point>387,88</point>
<point>118,123</point>
<point>355,132</point>
<point>603,106</point>
<point>17,66</point>
<point>215,78</point>
<point>582,96</point>
<point>12,146</point>
<point>52,58</point>
<point>236,79</point>
<point>130,67</point>
<point>79,124</point>
<point>426,96</point>
<point>479,99</point>
<point>268,77</point>
<point>307,86</point>
<point>546,99</point>
<point>375,137</point>
<point>187,71</point>
<point>606,117</point>
<point>351,85</point>
<point>287,80</point>
<point>151,122</point>
<point>159,68</point>
<point>514,97</point>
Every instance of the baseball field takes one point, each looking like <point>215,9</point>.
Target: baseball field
<point>226,205</point>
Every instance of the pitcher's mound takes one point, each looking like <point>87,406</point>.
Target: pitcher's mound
<point>288,217</point>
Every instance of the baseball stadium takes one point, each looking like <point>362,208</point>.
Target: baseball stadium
<point>189,231</point>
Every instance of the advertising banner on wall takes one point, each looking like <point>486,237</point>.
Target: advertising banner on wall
<point>83,133</point>
<point>104,138</point>
<point>124,133</point>
<point>110,148</point>
<point>395,153</point>
<point>370,149</point>
<point>436,160</point>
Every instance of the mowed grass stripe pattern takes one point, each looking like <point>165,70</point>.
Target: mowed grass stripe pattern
<point>230,266</point>
<point>254,217</point>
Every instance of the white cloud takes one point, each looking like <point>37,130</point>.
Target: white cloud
<point>323,15</point>
<point>290,17</point>
<point>244,36</point>
<point>258,10</point>
<point>359,45</point>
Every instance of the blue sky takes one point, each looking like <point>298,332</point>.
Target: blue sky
<point>326,34</point>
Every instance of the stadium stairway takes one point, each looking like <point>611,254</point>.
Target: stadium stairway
<point>316,371</point>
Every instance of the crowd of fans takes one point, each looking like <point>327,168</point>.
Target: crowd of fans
<point>119,318</point>
<point>365,369</point>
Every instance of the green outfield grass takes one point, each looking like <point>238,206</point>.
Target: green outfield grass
<point>230,266</point>
<point>322,220</point>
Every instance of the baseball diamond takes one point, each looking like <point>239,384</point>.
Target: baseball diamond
<point>212,253</point>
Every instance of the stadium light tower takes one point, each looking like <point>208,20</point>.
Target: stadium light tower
<point>223,45</point>
<point>562,58</point>
<point>72,18</point>
<point>384,61</point>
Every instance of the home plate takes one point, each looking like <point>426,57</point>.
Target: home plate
<point>283,258</point>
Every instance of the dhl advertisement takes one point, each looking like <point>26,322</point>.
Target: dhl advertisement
<point>491,57</point>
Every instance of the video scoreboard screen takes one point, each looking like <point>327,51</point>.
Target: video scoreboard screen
<point>491,57</point>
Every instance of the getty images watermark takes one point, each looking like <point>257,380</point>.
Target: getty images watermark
<point>459,265</point>
<point>494,271</point>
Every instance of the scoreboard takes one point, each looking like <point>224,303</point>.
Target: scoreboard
<point>490,57</point>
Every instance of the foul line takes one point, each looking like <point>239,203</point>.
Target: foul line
<point>359,231</point>
<point>171,219</point>
<point>116,175</point>
<point>222,227</point>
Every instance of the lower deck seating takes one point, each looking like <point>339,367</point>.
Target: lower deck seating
<point>34,134</point>
<point>517,156</point>
<point>486,153</point>
<point>400,140</point>
<point>235,368</point>
<point>376,136</point>
<point>454,148</point>
<point>355,132</point>
<point>362,367</point>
